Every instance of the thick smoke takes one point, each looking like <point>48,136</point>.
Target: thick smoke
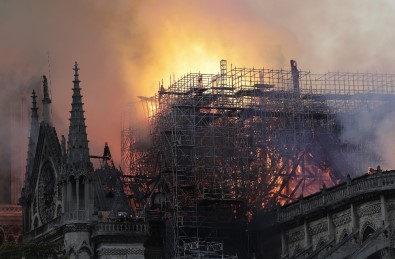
<point>125,47</point>
<point>373,126</point>
<point>67,32</point>
<point>335,36</point>
<point>13,130</point>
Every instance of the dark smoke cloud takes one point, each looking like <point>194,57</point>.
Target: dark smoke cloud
<point>81,31</point>
<point>13,133</point>
<point>125,47</point>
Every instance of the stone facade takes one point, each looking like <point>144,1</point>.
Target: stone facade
<point>66,201</point>
<point>355,219</point>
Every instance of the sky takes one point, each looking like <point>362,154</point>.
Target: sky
<point>125,47</point>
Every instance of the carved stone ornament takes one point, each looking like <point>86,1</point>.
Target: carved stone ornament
<point>295,236</point>
<point>46,192</point>
<point>370,209</point>
<point>120,251</point>
<point>342,219</point>
<point>318,228</point>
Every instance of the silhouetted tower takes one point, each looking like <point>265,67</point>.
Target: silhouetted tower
<point>79,166</point>
<point>31,150</point>
<point>78,151</point>
<point>78,188</point>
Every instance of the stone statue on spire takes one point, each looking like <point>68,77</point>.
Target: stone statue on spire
<point>46,103</point>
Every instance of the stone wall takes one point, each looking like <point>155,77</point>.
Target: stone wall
<point>342,220</point>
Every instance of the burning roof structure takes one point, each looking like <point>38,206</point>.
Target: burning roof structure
<point>251,138</point>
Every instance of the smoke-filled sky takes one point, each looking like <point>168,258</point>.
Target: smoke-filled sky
<point>124,47</point>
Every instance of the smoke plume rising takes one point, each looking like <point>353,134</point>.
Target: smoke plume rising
<point>373,126</point>
<point>125,47</point>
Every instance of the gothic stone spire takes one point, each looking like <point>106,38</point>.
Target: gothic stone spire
<point>78,151</point>
<point>33,135</point>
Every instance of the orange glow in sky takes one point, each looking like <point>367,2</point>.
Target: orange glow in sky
<point>194,37</point>
<point>126,47</point>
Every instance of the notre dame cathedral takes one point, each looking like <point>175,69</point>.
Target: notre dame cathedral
<point>66,201</point>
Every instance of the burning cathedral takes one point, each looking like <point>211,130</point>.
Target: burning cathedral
<point>234,157</point>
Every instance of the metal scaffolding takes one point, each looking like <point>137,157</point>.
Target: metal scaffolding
<point>250,138</point>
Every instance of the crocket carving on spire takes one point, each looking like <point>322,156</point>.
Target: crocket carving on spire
<point>77,148</point>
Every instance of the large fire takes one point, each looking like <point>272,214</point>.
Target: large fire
<point>177,41</point>
<point>260,135</point>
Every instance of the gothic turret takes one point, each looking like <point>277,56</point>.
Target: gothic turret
<point>78,188</point>
<point>26,193</point>
<point>46,103</point>
<point>34,128</point>
<point>77,148</point>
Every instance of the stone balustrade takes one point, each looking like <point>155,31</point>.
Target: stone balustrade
<point>368,183</point>
<point>124,227</point>
<point>100,228</point>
